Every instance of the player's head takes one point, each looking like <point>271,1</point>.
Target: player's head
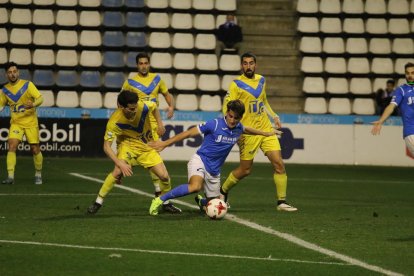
<point>409,73</point>
<point>235,111</point>
<point>143,63</point>
<point>248,64</point>
<point>12,71</point>
<point>127,101</point>
<point>390,84</point>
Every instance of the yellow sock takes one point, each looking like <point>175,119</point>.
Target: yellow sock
<point>156,181</point>
<point>281,185</point>
<point>38,161</point>
<point>107,185</point>
<point>229,183</point>
<point>11,163</point>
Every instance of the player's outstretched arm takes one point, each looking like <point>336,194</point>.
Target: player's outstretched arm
<point>250,130</point>
<point>376,129</point>
<point>122,165</point>
<point>160,145</point>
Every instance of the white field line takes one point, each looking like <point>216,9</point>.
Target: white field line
<point>285,236</point>
<point>166,252</point>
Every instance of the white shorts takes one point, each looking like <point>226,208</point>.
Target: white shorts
<point>211,183</point>
<point>409,142</point>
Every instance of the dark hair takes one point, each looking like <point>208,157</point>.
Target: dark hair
<point>10,64</point>
<point>142,55</point>
<point>248,55</point>
<point>391,81</point>
<point>126,97</point>
<point>409,64</point>
<point>237,107</point>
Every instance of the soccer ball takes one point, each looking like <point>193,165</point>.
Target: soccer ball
<point>216,208</point>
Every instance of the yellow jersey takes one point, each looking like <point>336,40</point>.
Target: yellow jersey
<point>135,132</point>
<point>16,96</point>
<point>147,87</point>
<point>252,92</point>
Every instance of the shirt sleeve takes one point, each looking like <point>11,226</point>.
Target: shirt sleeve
<point>111,132</point>
<point>230,96</point>
<point>207,127</point>
<point>163,87</point>
<point>397,96</point>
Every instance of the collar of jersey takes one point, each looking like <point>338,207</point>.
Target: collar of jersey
<point>253,91</point>
<point>146,89</point>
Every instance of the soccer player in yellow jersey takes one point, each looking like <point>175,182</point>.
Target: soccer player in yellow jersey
<point>22,97</point>
<point>250,88</point>
<point>148,86</point>
<point>130,127</point>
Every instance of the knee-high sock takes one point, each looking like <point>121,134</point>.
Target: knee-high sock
<point>178,191</point>
<point>11,163</point>
<point>156,181</point>
<point>38,162</point>
<point>229,183</point>
<point>106,187</point>
<point>281,185</point>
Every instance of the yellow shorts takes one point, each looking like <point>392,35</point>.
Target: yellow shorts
<point>17,132</point>
<point>146,158</point>
<point>249,144</point>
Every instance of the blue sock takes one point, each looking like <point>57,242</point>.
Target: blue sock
<point>178,191</point>
<point>203,202</point>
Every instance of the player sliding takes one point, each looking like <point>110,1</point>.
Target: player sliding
<point>220,135</point>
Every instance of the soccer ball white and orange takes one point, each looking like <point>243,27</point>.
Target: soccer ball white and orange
<point>216,209</point>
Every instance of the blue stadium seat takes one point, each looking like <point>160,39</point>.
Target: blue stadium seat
<point>114,80</point>
<point>90,79</point>
<point>25,74</point>
<point>67,78</point>
<point>3,78</point>
<point>113,19</point>
<point>112,3</point>
<point>131,62</point>
<point>135,3</point>
<point>113,39</point>
<point>113,59</point>
<point>136,39</point>
<point>136,20</point>
<point>42,77</point>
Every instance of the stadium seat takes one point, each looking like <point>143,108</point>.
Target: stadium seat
<point>162,103</point>
<point>337,86</point>
<point>20,56</point>
<point>335,65</point>
<point>186,102</point>
<point>67,38</point>
<point>48,98</point>
<point>311,65</point>
<point>229,62</point>
<point>44,37</point>
<point>180,4</point>
<point>136,39</point>
<point>353,6</point>
<point>90,58</point>
<point>113,59</point>
<point>207,62</point>
<point>382,66</point>
<point>66,58</point>
<point>113,39</point>
<point>333,45</point>
<point>67,18</point>
<point>4,37</point>
<point>209,82</point>
<point>89,3</point>
<point>185,82</point>
<point>330,6</point>
<point>310,44</point>
<point>43,2</point>
<point>168,79</point>
<point>3,79</point>
<point>114,80</point>
<point>210,103</point>
<point>226,80</point>
<point>398,26</point>
<point>380,46</point>
<point>204,22</point>
<point>20,16</point>
<point>360,86</point>
<point>134,3</point>
<point>68,99</point>
<point>362,106</point>
<point>205,5</point>
<point>356,45</point>
<point>183,41</point>
<point>130,59</point>
<point>205,42</point>
<point>44,57</point>
<point>379,83</point>
<point>375,7</point>
<point>307,6</point>
<point>43,78</point>
<point>67,78</point>
<point>4,16</point>
<point>403,46</point>
<point>313,85</point>
<point>181,21</point>
<point>376,26</point>
<point>358,66</point>
<point>110,100</point>
<point>412,7</point>
<point>90,19</point>
<point>339,106</point>
<point>90,38</point>
<point>90,79</point>
<point>308,25</point>
<point>20,36</point>
<point>158,20</point>
<point>331,25</point>
<point>91,99</point>
<point>353,26</point>
<point>157,4</point>
<point>399,65</point>
<point>161,60</point>
<point>25,74</point>
<point>159,40</point>
<point>136,19</point>
<point>113,19</point>
<point>315,105</point>
<point>226,5</point>
<point>66,3</point>
<point>43,17</point>
<point>398,7</point>
<point>112,3</point>
<point>184,61</point>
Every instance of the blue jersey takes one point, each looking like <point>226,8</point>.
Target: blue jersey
<point>218,141</point>
<point>404,99</point>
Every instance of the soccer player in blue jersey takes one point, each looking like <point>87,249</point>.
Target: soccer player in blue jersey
<point>220,135</point>
<point>403,97</point>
